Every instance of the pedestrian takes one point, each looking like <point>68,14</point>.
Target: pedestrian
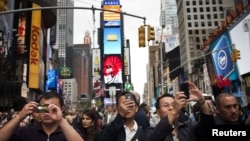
<point>124,127</point>
<point>89,129</point>
<point>53,127</point>
<point>174,124</point>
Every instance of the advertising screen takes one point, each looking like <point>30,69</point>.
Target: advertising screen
<point>240,37</point>
<point>111,18</point>
<point>112,41</point>
<point>221,50</point>
<point>112,69</point>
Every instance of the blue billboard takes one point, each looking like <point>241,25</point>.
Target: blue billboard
<point>112,41</point>
<point>221,50</point>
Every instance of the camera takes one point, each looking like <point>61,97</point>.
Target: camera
<point>184,87</point>
<point>42,108</point>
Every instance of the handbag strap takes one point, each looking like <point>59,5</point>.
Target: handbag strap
<point>137,133</point>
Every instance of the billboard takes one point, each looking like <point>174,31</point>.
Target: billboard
<point>112,69</point>
<point>221,50</point>
<point>172,41</point>
<point>111,18</point>
<point>96,62</point>
<point>126,61</point>
<point>112,41</point>
<point>240,37</point>
<point>65,72</point>
<point>52,79</point>
<point>36,66</point>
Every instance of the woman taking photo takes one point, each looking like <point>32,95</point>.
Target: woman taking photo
<point>89,126</point>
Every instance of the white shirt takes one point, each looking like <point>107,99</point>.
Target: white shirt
<point>130,133</point>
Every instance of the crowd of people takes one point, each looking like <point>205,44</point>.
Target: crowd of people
<point>127,120</point>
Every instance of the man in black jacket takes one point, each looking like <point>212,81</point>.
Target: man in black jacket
<point>124,127</point>
<point>173,124</point>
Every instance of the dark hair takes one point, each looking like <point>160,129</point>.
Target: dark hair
<point>123,94</point>
<point>91,132</point>
<point>52,94</point>
<point>18,103</point>
<point>157,104</point>
<point>218,98</point>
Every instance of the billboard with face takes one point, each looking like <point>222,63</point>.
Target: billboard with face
<point>112,69</point>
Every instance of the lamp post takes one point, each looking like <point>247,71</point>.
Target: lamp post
<point>161,47</point>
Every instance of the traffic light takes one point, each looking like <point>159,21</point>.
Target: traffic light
<point>141,34</point>
<point>150,33</point>
<point>3,4</point>
<point>235,55</point>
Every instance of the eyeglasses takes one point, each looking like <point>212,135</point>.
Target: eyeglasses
<point>167,105</point>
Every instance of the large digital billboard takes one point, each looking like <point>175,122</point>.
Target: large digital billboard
<point>112,69</point>
<point>111,18</point>
<point>240,37</point>
<point>221,50</point>
<point>112,41</point>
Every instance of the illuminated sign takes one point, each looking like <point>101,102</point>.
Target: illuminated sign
<point>223,65</point>
<point>112,41</point>
<point>112,69</point>
<point>65,72</point>
<point>96,62</point>
<point>34,54</point>
<point>112,18</point>
<point>111,2</point>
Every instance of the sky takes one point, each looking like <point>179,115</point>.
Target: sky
<point>83,21</point>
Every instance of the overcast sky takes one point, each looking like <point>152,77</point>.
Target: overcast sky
<point>83,21</point>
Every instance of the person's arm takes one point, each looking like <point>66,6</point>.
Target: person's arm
<point>7,130</point>
<point>70,133</point>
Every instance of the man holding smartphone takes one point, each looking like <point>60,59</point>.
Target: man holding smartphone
<point>124,127</point>
<point>52,126</point>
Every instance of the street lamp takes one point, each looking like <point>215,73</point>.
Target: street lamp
<point>161,51</point>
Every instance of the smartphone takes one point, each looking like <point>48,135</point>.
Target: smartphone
<point>129,96</point>
<point>42,108</point>
<point>184,87</point>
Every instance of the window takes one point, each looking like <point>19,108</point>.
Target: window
<point>203,31</point>
<point>202,17</point>
<point>188,10</point>
<point>213,2</point>
<point>191,46</point>
<point>216,23</point>
<point>189,24</point>
<point>201,9</point>
<point>208,16</point>
<point>200,2</point>
<point>194,10</point>
<point>190,32</point>
<point>214,9</point>
<point>191,39</point>
<point>194,2</point>
<point>215,16</point>
<point>196,24</point>
<point>198,47</point>
<point>197,39</point>
<point>189,17</point>
<point>195,17</point>
<point>187,3</point>
<point>209,23</point>
<point>208,9</point>
<point>202,24</point>
<point>196,31</point>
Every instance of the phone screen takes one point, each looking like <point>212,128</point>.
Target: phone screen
<point>185,89</point>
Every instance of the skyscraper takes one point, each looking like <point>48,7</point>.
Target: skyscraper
<point>196,20</point>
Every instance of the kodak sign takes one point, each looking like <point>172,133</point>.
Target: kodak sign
<point>34,53</point>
